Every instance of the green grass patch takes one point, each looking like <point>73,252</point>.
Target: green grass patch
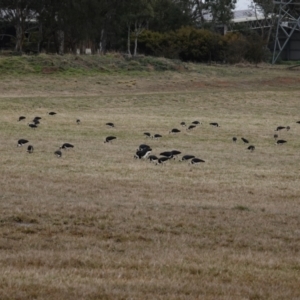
<point>84,64</point>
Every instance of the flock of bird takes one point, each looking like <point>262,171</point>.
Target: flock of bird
<point>278,142</point>
<point>34,124</point>
<point>144,151</point>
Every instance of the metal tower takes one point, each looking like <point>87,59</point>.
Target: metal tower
<point>288,21</point>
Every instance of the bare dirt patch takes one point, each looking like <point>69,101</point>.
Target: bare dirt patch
<point>50,70</point>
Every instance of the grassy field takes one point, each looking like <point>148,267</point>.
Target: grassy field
<point>98,224</point>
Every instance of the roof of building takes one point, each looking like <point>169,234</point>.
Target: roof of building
<point>245,15</point>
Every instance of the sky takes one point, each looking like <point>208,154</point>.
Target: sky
<point>242,4</point>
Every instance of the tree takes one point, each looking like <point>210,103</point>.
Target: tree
<point>21,14</point>
<point>109,22</point>
<point>171,15</point>
<point>51,23</point>
<point>199,10</point>
<point>221,11</point>
<point>137,18</point>
<point>65,23</point>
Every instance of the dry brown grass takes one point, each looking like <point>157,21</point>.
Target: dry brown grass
<point>97,224</point>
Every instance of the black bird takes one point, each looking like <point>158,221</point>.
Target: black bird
<point>275,136</point>
<point>162,160</point>
<point>234,139</point>
<point>168,154</point>
<point>251,148</point>
<point>142,153</point>
<point>280,142</point>
<point>156,136</point>
<point>298,122</point>
<point>147,134</point>
<point>21,142</point>
<point>196,161</point>
<point>66,146</point>
<point>187,157</point>
<point>174,130</point>
<point>214,124</point>
<point>52,113</point>
<point>152,158</point>
<point>78,121</point>
<point>143,146</point>
<point>37,118</point>
<point>288,128</point>
<point>244,140</point>
<point>191,127</point>
<point>182,124</point>
<point>30,149</point>
<point>196,123</point>
<point>34,126</point>
<point>22,118</point>
<point>109,124</point>
<point>279,128</point>
<point>175,153</point>
<point>58,153</point>
<point>36,122</point>
<point>109,139</point>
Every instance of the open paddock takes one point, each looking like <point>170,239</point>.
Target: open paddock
<point>99,224</point>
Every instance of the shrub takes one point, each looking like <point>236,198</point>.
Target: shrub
<point>187,43</point>
<point>236,47</point>
<point>256,48</point>
<point>201,45</point>
<point>150,43</point>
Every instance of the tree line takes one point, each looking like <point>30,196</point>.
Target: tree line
<point>185,29</point>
